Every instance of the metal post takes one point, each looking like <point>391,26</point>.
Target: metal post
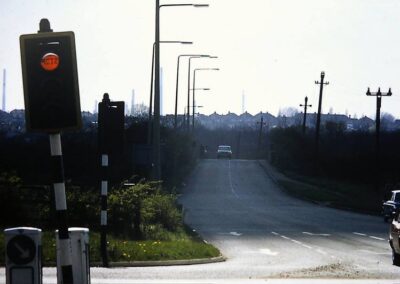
<point>188,96</point>
<point>103,218</point>
<point>149,126</point>
<point>319,111</point>
<point>176,94</point>
<point>3,108</point>
<point>193,99</point>
<point>156,123</point>
<point>305,113</point>
<point>59,194</point>
<point>61,208</point>
<point>260,134</point>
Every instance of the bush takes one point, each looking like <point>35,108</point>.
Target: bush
<point>143,210</point>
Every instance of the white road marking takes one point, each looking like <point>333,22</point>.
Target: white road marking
<point>268,252</point>
<point>230,181</point>
<point>374,253</point>
<point>296,242</point>
<point>372,237</point>
<point>377,238</point>
<point>313,234</point>
<point>275,233</point>
<point>236,234</point>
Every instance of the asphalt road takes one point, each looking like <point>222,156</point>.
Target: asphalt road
<point>265,233</point>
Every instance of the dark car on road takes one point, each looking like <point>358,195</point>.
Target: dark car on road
<point>394,238</point>
<point>224,151</point>
<point>391,205</point>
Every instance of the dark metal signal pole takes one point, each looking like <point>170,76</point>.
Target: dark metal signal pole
<point>319,111</point>
<point>378,96</point>
<point>104,191</point>
<point>305,113</point>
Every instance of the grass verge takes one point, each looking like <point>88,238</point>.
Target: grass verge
<point>334,193</point>
<point>181,245</point>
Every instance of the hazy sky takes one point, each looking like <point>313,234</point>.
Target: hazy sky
<point>272,50</point>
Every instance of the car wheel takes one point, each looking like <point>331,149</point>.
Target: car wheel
<point>395,258</point>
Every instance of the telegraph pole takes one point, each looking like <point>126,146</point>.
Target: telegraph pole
<point>378,96</point>
<point>262,123</point>
<point>305,113</point>
<point>321,83</point>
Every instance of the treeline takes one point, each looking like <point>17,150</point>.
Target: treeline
<point>25,179</point>
<point>342,155</point>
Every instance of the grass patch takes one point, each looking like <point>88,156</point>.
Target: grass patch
<point>335,193</point>
<point>179,246</point>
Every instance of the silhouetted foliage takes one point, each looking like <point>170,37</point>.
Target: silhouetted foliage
<point>344,155</point>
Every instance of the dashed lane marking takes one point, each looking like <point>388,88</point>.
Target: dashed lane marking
<point>372,237</point>
<point>314,234</point>
<point>377,238</point>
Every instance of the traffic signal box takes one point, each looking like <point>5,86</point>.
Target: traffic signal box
<point>111,126</point>
<point>50,80</point>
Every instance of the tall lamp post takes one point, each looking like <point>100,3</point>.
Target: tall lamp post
<point>188,98</point>
<point>156,125</point>
<point>194,87</point>
<point>177,82</point>
<point>149,128</point>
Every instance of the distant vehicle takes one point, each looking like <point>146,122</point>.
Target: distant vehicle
<point>390,206</point>
<point>224,151</point>
<point>394,238</point>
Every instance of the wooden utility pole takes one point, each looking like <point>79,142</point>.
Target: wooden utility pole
<point>305,113</point>
<point>378,96</point>
<point>321,83</point>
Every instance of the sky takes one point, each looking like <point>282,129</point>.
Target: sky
<point>272,51</point>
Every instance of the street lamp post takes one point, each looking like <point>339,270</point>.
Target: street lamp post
<point>151,86</point>
<point>188,98</point>
<point>194,88</point>
<point>177,82</point>
<point>156,126</point>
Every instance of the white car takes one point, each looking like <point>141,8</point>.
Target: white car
<point>224,151</point>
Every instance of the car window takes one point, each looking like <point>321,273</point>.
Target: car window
<point>396,197</point>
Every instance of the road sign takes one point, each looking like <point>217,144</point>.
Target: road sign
<point>23,260</point>
<point>21,249</point>
<point>111,123</point>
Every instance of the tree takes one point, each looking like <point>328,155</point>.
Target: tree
<point>386,121</point>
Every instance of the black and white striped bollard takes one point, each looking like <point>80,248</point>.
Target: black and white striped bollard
<point>61,209</point>
<point>103,221</point>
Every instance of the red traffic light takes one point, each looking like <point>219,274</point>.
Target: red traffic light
<point>50,61</point>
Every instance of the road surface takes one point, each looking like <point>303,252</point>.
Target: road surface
<point>265,233</point>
